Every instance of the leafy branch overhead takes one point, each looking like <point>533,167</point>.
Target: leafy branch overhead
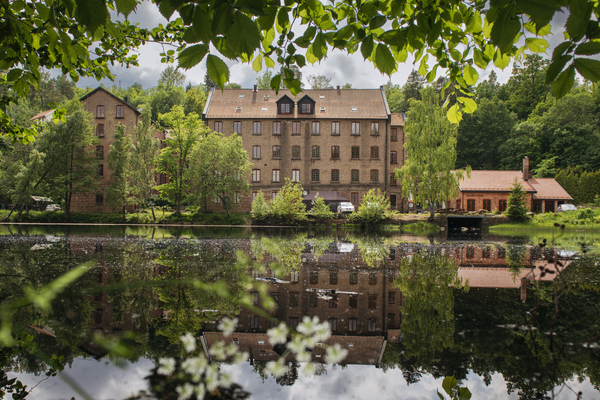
<point>452,37</point>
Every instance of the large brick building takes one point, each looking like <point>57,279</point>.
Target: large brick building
<point>343,140</point>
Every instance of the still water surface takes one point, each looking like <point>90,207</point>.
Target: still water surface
<point>507,317</point>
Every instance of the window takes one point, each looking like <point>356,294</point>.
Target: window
<point>295,175</point>
<point>392,180</point>
<point>253,322</point>
<point>372,323</point>
<point>374,151</point>
<point>470,204</point>
<point>101,170</point>
<point>314,175</point>
<point>501,252</point>
<point>501,205</point>
<point>486,252</point>
<point>99,200</point>
<point>353,278</point>
<point>294,276</point>
<point>254,194</point>
<point>256,175</point>
<point>393,200</point>
<point>333,302</point>
<point>374,175</point>
<point>256,152</point>
<point>315,151</point>
<point>312,300</point>
<point>255,298</point>
<point>219,126</point>
<point>335,152</point>
<point>333,278</point>
<point>293,299</point>
<point>276,175</point>
<point>351,324</point>
<point>295,151</point>
<point>120,112</point>
<point>285,108</point>
<point>374,128</point>
<point>353,301</point>
<point>273,195</point>
<point>256,128</point>
<point>293,322</point>
<point>458,204</point>
<point>296,127</point>
<point>99,111</point>
<point>373,278</point>
<point>487,204</point>
<point>354,197</point>
<point>276,127</point>
<point>354,175</point>
<point>335,128</point>
<point>305,108</point>
<point>356,128</point>
<point>316,128</point>
<point>100,152</point>
<point>98,316</point>
<point>393,157</point>
<point>237,127</point>
<point>391,297</point>
<point>335,175</point>
<point>372,301</point>
<point>100,130</point>
<point>355,152</point>
<point>394,135</point>
<point>470,252</point>
<point>314,277</point>
<point>391,320</point>
<point>333,324</point>
<point>216,199</point>
<point>237,198</point>
<point>276,151</point>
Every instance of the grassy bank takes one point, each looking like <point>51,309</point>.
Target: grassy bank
<point>584,219</point>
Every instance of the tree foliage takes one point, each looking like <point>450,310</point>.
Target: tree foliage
<point>517,202</point>
<point>287,206</point>
<point>119,162</point>
<point>372,209</point>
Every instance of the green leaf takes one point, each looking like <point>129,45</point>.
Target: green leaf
<point>500,60</point>
<point>588,49</point>
<point>539,11</point>
<point>295,86</point>
<point>269,62</point>
<point>166,9</point>
<point>469,104</point>
<point>384,60</point>
<point>257,63</point>
<point>579,18</point>
<point>300,60</point>
<point>319,46</point>
<point>588,68</point>
<point>201,24</point>
<point>556,67</point>
<point>283,21</point>
<point>14,74</point>
<point>455,54</point>
<point>377,21</point>
<point>448,384</point>
<point>479,60</point>
<point>560,49</point>
<point>91,13</point>
<point>471,75</point>
<point>191,56</point>
<point>423,65</point>
<point>431,75</point>
<point>440,395</point>
<point>475,23</point>
<point>125,7</point>
<point>464,394</point>
<point>366,49</point>
<point>506,28</point>
<point>275,82</point>
<point>454,115</point>
<point>536,45</point>
<point>564,82</point>
<point>217,70</point>
<point>243,35</point>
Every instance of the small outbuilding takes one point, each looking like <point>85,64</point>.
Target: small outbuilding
<point>331,198</point>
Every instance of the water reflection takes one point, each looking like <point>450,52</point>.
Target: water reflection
<point>527,312</point>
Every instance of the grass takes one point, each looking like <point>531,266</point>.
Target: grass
<point>583,219</point>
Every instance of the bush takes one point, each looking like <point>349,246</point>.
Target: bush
<point>261,209</point>
<point>287,205</point>
<point>320,210</point>
<point>372,209</point>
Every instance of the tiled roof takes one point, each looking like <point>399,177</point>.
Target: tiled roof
<point>491,277</point>
<point>43,114</point>
<point>397,120</point>
<point>500,181</point>
<point>338,103</point>
<point>112,95</point>
<point>548,188</point>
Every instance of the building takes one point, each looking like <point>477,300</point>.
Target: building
<point>45,116</point>
<point>489,190</point>
<point>342,140</point>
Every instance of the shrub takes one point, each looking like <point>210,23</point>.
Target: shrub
<point>287,206</point>
<point>320,210</point>
<point>261,209</point>
<point>372,209</point>
<point>517,201</point>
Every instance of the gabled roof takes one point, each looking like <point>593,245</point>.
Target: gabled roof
<point>493,181</point>
<point>549,189</point>
<point>285,97</point>
<point>112,95</point>
<point>306,97</point>
<point>397,120</point>
<point>41,115</point>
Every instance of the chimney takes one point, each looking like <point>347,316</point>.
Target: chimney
<point>525,168</point>
<point>338,87</point>
<point>126,99</point>
<point>255,88</point>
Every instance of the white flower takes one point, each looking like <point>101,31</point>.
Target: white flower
<point>335,354</point>
<point>195,366</point>
<point>309,369</point>
<point>217,350</point>
<point>308,325</point>
<point>322,332</point>
<point>276,368</point>
<point>231,349</point>
<point>227,326</point>
<point>212,377</point>
<point>278,335</point>
<point>185,391</point>
<point>189,342</point>
<point>167,366</point>
<point>303,356</point>
<point>241,357</point>
<point>297,344</point>
<point>225,380</point>
<point>200,391</point>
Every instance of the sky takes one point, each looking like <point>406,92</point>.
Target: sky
<point>341,67</point>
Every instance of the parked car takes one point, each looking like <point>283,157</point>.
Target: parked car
<point>566,207</point>
<point>345,208</point>
<point>53,207</point>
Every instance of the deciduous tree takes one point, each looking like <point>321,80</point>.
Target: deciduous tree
<point>119,163</point>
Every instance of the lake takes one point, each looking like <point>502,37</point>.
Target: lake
<point>515,316</point>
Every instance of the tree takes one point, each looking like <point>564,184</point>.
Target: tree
<point>287,206</point>
<point>320,209</point>
<point>173,160</point>
<point>219,168</point>
<point>261,209</point>
<point>195,99</point>
<point>431,154</point>
<point>162,100</point>
<point>545,168</point>
<point>372,208</point>
<point>171,77</point>
<point>347,86</point>
<point>143,161</point>
<point>413,86</point>
<point>119,162</point>
<point>528,85</point>
<point>395,97</point>
<point>517,201</point>
<point>318,81</point>
<point>264,81</point>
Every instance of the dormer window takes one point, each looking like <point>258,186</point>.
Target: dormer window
<point>321,96</point>
<point>306,105</point>
<point>264,109</point>
<point>285,105</point>
<point>285,108</point>
<point>242,96</point>
<point>306,108</point>
<point>354,109</point>
<point>238,109</point>
<point>266,97</point>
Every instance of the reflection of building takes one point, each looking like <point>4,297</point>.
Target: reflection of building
<point>489,190</point>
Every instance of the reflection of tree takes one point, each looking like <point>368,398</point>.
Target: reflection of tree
<point>515,257</point>
<point>289,378</point>
<point>286,251</point>
<point>374,249</point>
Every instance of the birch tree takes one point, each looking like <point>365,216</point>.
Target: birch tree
<point>143,161</point>
<point>431,154</point>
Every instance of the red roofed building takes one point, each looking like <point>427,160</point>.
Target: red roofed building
<point>489,190</point>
